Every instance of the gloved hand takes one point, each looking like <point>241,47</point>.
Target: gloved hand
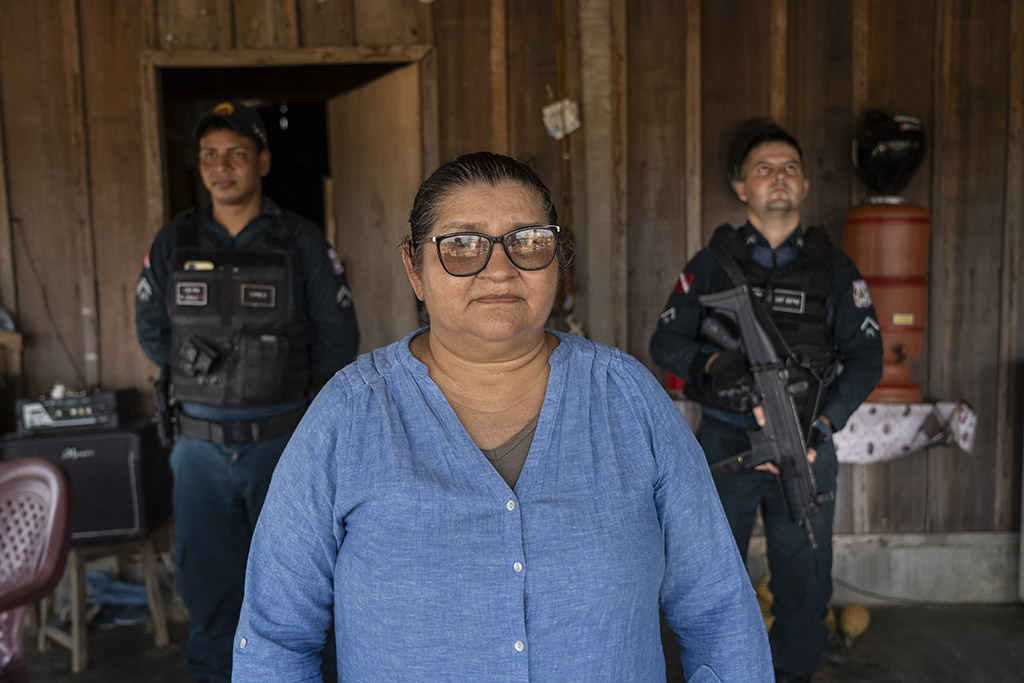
<point>730,385</point>
<point>821,429</point>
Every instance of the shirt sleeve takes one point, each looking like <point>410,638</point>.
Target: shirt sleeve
<point>152,319</point>
<point>857,337</point>
<point>330,307</point>
<point>289,579</point>
<point>675,346</point>
<point>706,595</point>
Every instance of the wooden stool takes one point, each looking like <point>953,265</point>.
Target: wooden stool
<point>75,640</point>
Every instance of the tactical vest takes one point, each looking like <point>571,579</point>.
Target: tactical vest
<point>800,301</point>
<point>239,336</point>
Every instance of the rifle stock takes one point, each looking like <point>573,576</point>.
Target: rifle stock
<point>781,439</point>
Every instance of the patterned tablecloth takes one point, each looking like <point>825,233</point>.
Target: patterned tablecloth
<point>882,431</point>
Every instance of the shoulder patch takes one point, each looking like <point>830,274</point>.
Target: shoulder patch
<point>143,290</point>
<point>343,297</point>
<point>861,294</point>
<point>684,282</point>
<point>145,260</point>
<point>336,264</point>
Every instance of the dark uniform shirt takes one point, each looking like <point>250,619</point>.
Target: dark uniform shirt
<point>676,346</point>
<point>322,289</point>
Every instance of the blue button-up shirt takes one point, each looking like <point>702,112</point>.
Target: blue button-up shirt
<point>384,515</point>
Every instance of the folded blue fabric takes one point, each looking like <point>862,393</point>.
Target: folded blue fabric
<point>111,591</point>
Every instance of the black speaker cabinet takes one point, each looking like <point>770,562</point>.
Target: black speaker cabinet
<point>121,479</point>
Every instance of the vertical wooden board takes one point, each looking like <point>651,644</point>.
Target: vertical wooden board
<point>901,55</point>
<point>462,29</point>
<point>573,213</point>
<point>195,24</point>
<point>428,104</point>
<point>378,124</point>
<point>734,88</point>
<point>1011,391</point>
<point>499,77</point>
<point>325,23</point>
<point>8,282</point>
<point>967,255</point>
<point>818,106</point>
<point>532,84</point>
<point>842,522</point>
<point>265,24</point>
<point>47,189</point>
<point>604,254</point>
<point>10,359</point>
<point>897,63</point>
<point>389,22</point>
<point>656,63</point>
<point>110,41</point>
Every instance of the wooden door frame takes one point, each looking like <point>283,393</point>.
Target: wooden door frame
<point>153,62</point>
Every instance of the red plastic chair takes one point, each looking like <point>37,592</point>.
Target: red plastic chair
<point>35,533</point>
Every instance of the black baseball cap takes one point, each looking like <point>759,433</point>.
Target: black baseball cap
<point>237,117</point>
<point>749,135</point>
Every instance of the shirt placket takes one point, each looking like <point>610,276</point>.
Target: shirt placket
<point>515,590</point>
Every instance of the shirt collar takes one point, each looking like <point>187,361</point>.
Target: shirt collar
<point>268,209</point>
<point>751,237</point>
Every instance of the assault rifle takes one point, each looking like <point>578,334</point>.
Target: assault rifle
<point>781,439</point>
<point>165,412</point>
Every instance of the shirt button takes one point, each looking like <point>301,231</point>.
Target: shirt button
<point>518,566</point>
<point>510,506</point>
<point>520,646</point>
<point>242,643</point>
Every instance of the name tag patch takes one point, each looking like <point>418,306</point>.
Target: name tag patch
<point>191,294</point>
<point>258,296</point>
<point>785,300</point>
<point>789,300</point>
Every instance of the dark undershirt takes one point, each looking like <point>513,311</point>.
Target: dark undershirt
<point>508,458</point>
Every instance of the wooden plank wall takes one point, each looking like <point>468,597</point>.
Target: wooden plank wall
<point>661,84</point>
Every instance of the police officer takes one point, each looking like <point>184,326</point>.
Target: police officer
<point>829,335</point>
<point>247,309</point>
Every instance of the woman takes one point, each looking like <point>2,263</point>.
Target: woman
<point>490,500</point>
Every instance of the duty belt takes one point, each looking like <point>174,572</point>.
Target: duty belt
<point>240,431</point>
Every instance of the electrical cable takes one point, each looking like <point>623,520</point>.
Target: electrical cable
<point>891,598</point>
<point>46,303</point>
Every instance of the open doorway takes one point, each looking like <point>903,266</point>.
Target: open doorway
<point>351,136</point>
<point>291,100</point>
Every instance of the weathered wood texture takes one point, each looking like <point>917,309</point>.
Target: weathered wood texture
<point>48,192</point>
<point>464,77</point>
<point>657,135</point>
<point>110,43</point>
<point>374,124</point>
<point>660,91</point>
<point>893,65</point>
<point>968,202</point>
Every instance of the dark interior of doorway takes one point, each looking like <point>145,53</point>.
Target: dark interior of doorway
<point>291,100</point>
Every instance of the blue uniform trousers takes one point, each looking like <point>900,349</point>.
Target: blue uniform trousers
<point>218,493</point>
<point>801,578</point>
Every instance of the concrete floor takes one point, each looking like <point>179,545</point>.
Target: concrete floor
<point>903,644</point>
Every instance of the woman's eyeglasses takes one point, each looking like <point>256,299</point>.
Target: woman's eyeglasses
<point>466,253</point>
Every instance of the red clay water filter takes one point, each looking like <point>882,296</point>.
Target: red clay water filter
<point>889,243</point>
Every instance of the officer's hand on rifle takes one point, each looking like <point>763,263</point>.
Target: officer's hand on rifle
<point>821,429</point>
<point>730,384</point>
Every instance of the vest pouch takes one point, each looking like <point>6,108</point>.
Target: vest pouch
<point>201,366</point>
<point>273,366</point>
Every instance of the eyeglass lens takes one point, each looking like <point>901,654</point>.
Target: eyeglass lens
<point>468,253</point>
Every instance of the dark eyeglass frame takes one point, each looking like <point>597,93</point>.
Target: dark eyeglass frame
<point>436,239</point>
